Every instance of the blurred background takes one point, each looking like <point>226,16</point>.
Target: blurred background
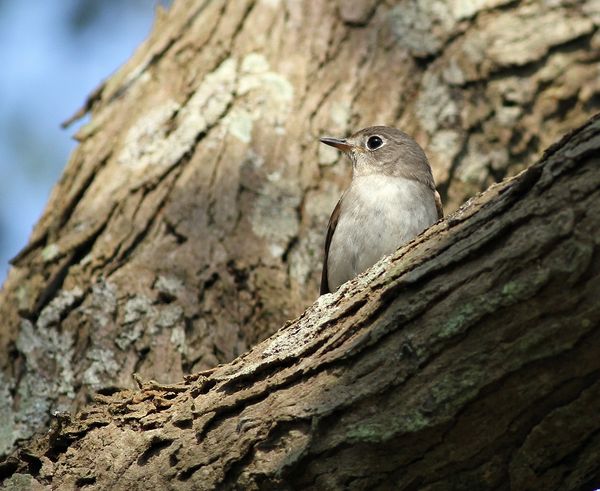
<point>53,54</point>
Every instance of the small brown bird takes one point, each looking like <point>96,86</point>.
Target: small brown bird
<point>391,199</point>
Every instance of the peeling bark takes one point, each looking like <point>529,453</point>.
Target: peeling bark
<point>189,223</point>
<point>467,360</point>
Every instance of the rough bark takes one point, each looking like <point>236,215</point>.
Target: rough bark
<point>468,360</point>
<point>188,225</point>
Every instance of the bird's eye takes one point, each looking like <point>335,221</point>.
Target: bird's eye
<point>374,142</point>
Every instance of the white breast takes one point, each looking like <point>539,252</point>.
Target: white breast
<point>378,214</point>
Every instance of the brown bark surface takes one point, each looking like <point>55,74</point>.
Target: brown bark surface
<point>468,360</point>
<point>189,223</point>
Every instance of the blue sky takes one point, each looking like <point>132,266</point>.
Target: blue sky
<point>52,54</point>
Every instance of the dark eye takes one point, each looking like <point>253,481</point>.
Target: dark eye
<point>374,142</point>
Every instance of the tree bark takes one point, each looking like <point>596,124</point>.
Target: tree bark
<point>189,223</point>
<point>467,360</point>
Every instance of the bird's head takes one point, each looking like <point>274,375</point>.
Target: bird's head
<point>384,150</point>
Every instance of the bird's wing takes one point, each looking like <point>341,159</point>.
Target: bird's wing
<point>438,205</point>
<point>333,221</point>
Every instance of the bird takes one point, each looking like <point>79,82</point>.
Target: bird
<point>392,198</point>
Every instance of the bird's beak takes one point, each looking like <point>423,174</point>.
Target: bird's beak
<point>338,143</point>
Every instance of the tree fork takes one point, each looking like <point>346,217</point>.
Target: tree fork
<point>468,360</point>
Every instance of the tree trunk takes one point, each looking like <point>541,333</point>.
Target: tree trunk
<point>469,360</point>
<point>189,223</point>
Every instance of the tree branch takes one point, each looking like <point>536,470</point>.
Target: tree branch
<point>467,360</point>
